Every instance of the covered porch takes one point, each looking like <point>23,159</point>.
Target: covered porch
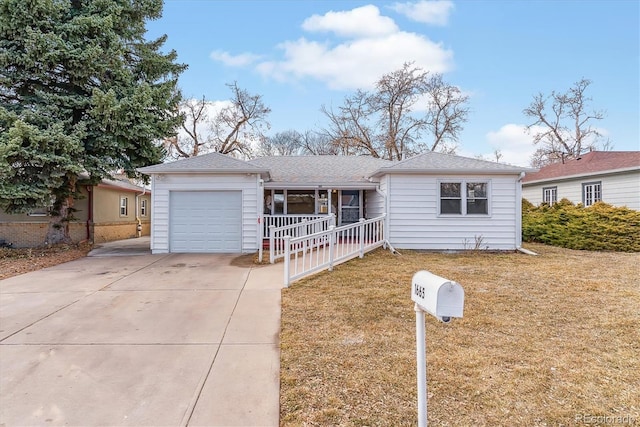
<point>287,206</point>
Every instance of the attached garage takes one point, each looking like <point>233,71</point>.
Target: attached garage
<point>206,204</point>
<point>205,221</point>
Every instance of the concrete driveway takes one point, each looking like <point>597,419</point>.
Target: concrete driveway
<point>141,340</point>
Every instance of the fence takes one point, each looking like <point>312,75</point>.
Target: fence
<point>284,220</point>
<point>296,229</point>
<point>318,251</point>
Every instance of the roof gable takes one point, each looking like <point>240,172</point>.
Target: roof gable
<point>591,163</point>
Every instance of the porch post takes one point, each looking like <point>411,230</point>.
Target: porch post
<point>271,245</point>
<point>287,260</point>
<point>332,239</point>
<point>361,236</point>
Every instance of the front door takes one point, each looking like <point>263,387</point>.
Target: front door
<point>350,206</point>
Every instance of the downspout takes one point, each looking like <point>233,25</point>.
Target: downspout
<point>89,189</point>
<point>260,191</point>
<point>386,218</point>
<point>138,221</point>
<point>519,212</point>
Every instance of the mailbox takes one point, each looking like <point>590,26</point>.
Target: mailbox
<point>443,298</point>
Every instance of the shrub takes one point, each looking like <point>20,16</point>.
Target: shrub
<point>598,227</point>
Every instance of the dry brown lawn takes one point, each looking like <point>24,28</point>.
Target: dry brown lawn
<point>545,340</point>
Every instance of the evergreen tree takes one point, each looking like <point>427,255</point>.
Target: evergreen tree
<point>82,94</point>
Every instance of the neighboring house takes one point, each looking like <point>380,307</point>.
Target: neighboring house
<point>434,201</point>
<point>612,177</point>
<point>108,211</point>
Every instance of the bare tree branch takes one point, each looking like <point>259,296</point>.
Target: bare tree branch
<point>235,128</point>
<point>386,123</point>
<point>566,124</point>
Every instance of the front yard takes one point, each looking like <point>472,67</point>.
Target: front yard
<point>546,340</point>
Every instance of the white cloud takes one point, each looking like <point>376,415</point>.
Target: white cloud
<point>240,60</point>
<point>434,12</point>
<point>357,63</point>
<point>514,143</point>
<point>364,21</point>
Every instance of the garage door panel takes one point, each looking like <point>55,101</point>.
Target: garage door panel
<point>206,221</point>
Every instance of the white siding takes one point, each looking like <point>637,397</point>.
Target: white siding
<point>618,190</point>
<point>164,184</point>
<point>374,204</point>
<point>414,222</point>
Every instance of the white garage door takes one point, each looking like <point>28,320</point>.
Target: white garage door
<point>205,221</point>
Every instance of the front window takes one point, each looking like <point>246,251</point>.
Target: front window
<point>550,195</point>
<point>474,200</point>
<point>450,198</point>
<point>300,202</point>
<point>143,207</point>
<point>477,200</point>
<point>124,203</point>
<point>591,193</point>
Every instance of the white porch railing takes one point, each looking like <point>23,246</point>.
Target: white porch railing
<point>296,229</point>
<point>307,254</point>
<point>284,220</point>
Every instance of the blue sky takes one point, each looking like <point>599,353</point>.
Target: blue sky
<point>300,55</point>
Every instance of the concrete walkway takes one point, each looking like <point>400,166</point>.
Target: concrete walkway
<point>162,340</point>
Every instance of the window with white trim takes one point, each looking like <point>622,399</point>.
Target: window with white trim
<point>124,206</point>
<point>550,195</point>
<point>41,211</point>
<point>464,197</point>
<point>591,193</point>
<point>143,207</point>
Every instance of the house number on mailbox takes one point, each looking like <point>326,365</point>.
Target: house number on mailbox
<point>419,290</point>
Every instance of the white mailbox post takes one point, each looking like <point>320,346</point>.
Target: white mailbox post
<point>442,298</point>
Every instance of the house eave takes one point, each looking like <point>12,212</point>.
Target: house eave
<point>123,189</point>
<point>581,175</point>
<point>364,185</point>
<point>382,172</point>
<point>202,171</point>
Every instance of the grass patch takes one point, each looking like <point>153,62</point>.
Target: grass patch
<point>543,340</point>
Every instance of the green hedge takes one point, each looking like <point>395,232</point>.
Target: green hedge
<point>600,227</point>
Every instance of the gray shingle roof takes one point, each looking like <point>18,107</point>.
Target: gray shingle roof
<point>212,162</point>
<point>440,163</point>
<point>324,170</point>
<point>331,170</point>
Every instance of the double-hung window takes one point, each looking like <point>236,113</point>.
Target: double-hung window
<point>143,207</point>
<point>124,205</point>
<point>550,195</point>
<point>464,197</point>
<point>591,193</point>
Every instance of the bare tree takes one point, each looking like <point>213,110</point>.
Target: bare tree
<point>386,122</point>
<point>231,127</point>
<point>294,143</point>
<point>287,143</point>
<point>447,111</point>
<point>316,143</point>
<point>565,120</point>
